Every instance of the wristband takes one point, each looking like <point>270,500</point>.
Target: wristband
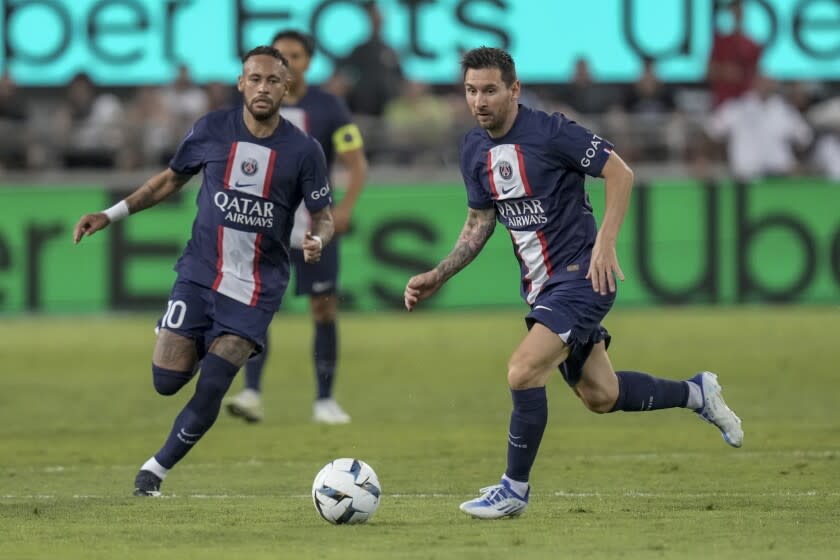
<point>117,212</point>
<point>319,240</point>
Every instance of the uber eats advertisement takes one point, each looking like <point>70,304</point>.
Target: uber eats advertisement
<point>683,242</point>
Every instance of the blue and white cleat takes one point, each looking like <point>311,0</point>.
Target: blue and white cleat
<point>496,502</point>
<point>715,411</point>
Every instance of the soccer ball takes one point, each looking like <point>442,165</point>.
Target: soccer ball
<point>346,491</point>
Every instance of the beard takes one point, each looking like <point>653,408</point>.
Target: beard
<point>263,114</point>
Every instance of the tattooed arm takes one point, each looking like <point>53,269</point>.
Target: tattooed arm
<point>477,230</point>
<point>153,191</point>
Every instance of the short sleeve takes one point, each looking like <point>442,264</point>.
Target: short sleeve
<point>313,179</point>
<point>477,197</point>
<point>346,135</point>
<point>578,148</point>
<point>189,157</point>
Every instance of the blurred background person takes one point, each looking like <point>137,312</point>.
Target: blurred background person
<point>88,126</point>
<point>733,60</point>
<point>762,132</point>
<point>15,140</point>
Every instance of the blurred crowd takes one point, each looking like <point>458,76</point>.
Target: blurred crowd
<point>738,117</point>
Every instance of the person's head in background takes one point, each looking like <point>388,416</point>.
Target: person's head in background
<point>298,48</point>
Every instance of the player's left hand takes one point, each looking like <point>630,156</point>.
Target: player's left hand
<point>342,215</point>
<point>603,268</point>
<point>312,247</point>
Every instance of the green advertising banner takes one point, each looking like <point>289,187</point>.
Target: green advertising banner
<point>682,242</point>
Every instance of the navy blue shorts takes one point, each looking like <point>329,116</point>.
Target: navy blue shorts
<point>320,278</point>
<point>203,315</point>
<point>574,312</point>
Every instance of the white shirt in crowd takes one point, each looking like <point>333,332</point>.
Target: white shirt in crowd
<point>760,134</point>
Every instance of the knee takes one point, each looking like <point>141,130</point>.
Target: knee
<point>324,308</point>
<point>167,381</point>
<point>600,399</point>
<point>523,374</point>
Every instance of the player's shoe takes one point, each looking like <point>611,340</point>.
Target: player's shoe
<point>496,502</point>
<point>247,405</point>
<point>715,411</point>
<point>327,411</point>
<point>147,483</point>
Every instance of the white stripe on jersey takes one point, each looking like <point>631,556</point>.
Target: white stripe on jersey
<point>530,249</point>
<point>303,222</point>
<point>250,168</point>
<point>507,177</point>
<point>250,171</point>
<point>238,250</point>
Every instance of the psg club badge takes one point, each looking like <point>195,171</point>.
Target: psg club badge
<point>249,166</point>
<point>505,170</point>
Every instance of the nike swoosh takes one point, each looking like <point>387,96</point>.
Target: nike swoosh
<point>238,185</point>
<point>543,307</point>
<point>505,191</point>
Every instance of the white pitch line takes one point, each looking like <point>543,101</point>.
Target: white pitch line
<point>562,494</point>
<point>739,454</point>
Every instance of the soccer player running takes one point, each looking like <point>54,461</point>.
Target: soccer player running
<point>326,118</point>
<point>257,167</point>
<point>526,168</point>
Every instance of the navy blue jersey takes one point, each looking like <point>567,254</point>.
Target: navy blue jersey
<point>534,177</point>
<point>327,119</point>
<point>248,196</point>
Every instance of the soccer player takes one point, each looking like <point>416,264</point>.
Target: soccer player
<point>526,169</point>
<point>257,167</point>
<point>325,117</point>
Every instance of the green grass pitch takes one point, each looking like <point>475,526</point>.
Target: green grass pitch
<point>430,407</point>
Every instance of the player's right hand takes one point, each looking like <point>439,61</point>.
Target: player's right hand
<point>421,287</point>
<point>90,224</point>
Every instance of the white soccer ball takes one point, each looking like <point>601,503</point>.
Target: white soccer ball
<point>346,491</point>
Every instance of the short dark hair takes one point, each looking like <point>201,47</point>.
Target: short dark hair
<point>304,39</point>
<point>267,50</point>
<point>488,57</point>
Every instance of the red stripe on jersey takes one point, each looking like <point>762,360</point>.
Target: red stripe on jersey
<point>231,157</point>
<point>544,247</point>
<point>268,174</point>
<point>522,171</point>
<point>257,254</point>
<point>220,236</point>
<point>516,252</point>
<point>490,174</point>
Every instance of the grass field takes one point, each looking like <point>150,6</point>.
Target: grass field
<point>430,407</point>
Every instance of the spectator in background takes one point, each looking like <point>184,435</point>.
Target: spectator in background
<point>372,71</point>
<point>825,116</point>
<point>219,96</point>
<point>14,126</point>
<point>88,127</point>
<point>184,102</point>
<point>651,105</point>
<point>761,130</point>
<point>149,137</point>
<point>733,62</point>
<point>582,96</point>
<point>415,122</point>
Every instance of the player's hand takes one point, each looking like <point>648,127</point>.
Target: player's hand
<point>421,287</point>
<point>312,248</point>
<point>90,224</point>
<point>342,216</point>
<point>603,268</point>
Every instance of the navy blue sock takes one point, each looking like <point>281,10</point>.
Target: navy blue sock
<point>200,412</point>
<point>639,392</point>
<point>527,424</point>
<point>324,352</point>
<point>254,368</point>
